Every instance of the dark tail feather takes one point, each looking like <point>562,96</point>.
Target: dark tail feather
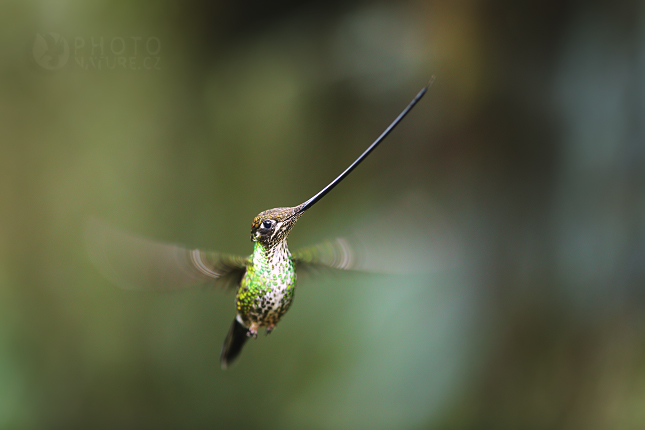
<point>233,344</point>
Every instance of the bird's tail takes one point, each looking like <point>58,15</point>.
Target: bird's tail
<point>235,339</point>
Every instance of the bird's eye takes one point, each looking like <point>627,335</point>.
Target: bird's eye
<point>266,224</point>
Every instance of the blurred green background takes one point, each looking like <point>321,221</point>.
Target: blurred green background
<point>181,121</point>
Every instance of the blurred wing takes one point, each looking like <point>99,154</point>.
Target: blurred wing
<point>137,263</point>
<point>413,236</point>
<point>331,254</point>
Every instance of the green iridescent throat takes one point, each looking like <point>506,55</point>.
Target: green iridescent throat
<point>268,285</point>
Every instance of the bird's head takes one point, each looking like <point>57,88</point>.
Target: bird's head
<point>273,226</point>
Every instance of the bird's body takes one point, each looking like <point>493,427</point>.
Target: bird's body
<point>267,287</point>
<point>265,281</point>
<point>269,282</point>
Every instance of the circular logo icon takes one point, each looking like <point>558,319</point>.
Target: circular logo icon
<point>50,51</point>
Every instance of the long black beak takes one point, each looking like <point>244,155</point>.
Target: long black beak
<point>312,201</point>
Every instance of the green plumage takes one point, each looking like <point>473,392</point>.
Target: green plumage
<point>267,287</point>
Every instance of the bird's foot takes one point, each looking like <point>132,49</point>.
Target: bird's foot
<point>269,329</point>
<point>253,331</point>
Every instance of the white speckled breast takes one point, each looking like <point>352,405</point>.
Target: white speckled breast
<point>268,286</point>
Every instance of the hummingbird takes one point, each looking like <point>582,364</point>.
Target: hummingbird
<point>265,281</point>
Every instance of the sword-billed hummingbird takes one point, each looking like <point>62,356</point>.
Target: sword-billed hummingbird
<point>265,281</point>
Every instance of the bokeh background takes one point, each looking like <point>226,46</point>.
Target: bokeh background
<point>517,184</point>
